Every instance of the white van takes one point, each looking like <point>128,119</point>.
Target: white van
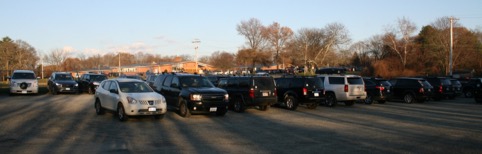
<point>23,82</point>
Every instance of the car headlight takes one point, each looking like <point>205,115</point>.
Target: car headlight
<point>95,83</point>
<point>163,99</point>
<point>57,84</point>
<point>196,97</point>
<point>131,100</point>
<point>76,84</point>
<point>226,97</point>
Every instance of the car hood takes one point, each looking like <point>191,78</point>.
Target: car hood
<point>207,90</point>
<point>145,96</point>
<point>65,82</point>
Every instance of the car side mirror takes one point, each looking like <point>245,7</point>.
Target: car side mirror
<point>114,91</point>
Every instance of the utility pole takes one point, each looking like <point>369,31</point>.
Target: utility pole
<point>119,70</point>
<point>451,43</point>
<point>196,47</point>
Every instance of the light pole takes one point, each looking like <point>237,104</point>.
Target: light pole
<point>196,47</point>
<point>119,70</point>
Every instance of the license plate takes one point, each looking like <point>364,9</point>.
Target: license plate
<point>213,109</point>
<point>265,94</point>
<point>67,88</point>
<point>152,109</point>
<point>24,92</point>
<point>316,94</point>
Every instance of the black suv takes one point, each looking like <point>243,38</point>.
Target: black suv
<point>410,89</point>
<point>442,88</point>
<point>294,91</point>
<point>469,86</point>
<point>249,91</point>
<point>194,94</point>
<point>377,90</point>
<point>90,82</point>
<point>477,90</point>
<point>62,82</point>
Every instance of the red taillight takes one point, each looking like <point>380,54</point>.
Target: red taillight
<point>305,91</point>
<point>380,87</point>
<point>421,90</point>
<point>275,92</point>
<point>251,93</point>
<point>346,88</point>
<point>440,89</point>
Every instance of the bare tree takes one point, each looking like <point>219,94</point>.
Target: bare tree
<point>252,31</point>
<point>277,36</point>
<point>399,39</point>
<point>56,58</point>
<point>222,60</point>
<point>334,35</point>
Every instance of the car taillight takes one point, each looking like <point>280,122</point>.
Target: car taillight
<point>305,91</point>
<point>440,89</point>
<point>251,93</point>
<point>421,90</point>
<point>346,88</point>
<point>275,92</point>
<point>380,87</point>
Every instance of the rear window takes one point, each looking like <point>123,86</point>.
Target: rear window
<point>426,84</point>
<point>314,82</point>
<point>446,82</point>
<point>385,83</point>
<point>264,83</point>
<point>355,80</point>
<point>336,80</point>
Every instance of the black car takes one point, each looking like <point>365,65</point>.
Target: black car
<point>62,82</point>
<point>377,90</point>
<point>193,94</point>
<point>468,87</point>
<point>478,90</point>
<point>457,86</point>
<point>294,91</point>
<point>249,91</point>
<point>90,82</point>
<point>215,79</point>
<point>410,89</point>
<point>442,88</point>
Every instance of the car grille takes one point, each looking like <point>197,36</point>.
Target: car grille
<point>212,97</point>
<point>150,102</point>
<point>28,84</point>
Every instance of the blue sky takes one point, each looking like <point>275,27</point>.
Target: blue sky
<point>168,27</point>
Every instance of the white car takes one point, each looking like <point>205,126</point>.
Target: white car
<point>23,82</point>
<point>129,97</point>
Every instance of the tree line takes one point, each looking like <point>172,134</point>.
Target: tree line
<point>398,51</point>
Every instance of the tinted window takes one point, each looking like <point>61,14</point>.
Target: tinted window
<point>336,80</point>
<point>446,82</point>
<point>314,82</point>
<point>425,84</point>
<point>23,76</point>
<point>175,81</point>
<point>223,83</point>
<point>282,82</point>
<point>98,77</point>
<point>369,83</point>
<point>232,83</point>
<point>63,77</point>
<point>134,87</point>
<point>168,80</point>
<point>385,83</point>
<point>264,83</point>
<point>354,80</point>
<point>244,82</point>
<point>195,81</point>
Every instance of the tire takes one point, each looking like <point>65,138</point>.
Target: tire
<point>331,100</point>
<point>238,105</point>
<point>183,109</point>
<point>408,98</point>
<point>221,111</point>
<point>264,107</point>
<point>291,103</point>
<point>381,102</point>
<point>159,116</point>
<point>369,99</point>
<point>349,103</point>
<point>98,107</point>
<point>53,91</point>
<point>468,94</point>
<point>311,105</point>
<point>121,113</point>
<point>90,91</point>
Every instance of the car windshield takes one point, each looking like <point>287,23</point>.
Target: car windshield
<point>98,77</point>
<point>23,76</point>
<point>195,81</point>
<point>134,87</point>
<point>63,77</point>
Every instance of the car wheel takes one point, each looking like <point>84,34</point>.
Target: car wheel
<point>408,98</point>
<point>98,107</point>
<point>349,103</point>
<point>311,105</point>
<point>291,103</point>
<point>160,116</point>
<point>90,90</point>
<point>53,91</point>
<point>369,99</point>
<point>183,109</point>
<point>468,94</point>
<point>331,100</point>
<point>221,111</point>
<point>264,107</point>
<point>238,105</point>
<point>381,102</point>
<point>121,114</point>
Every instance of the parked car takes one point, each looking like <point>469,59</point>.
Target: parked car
<point>478,90</point>
<point>469,86</point>
<point>90,82</point>
<point>215,79</point>
<point>193,94</point>
<point>457,86</point>
<point>23,82</point>
<point>343,88</point>
<point>294,91</point>
<point>150,79</point>
<point>377,90</point>
<point>249,91</point>
<point>442,88</point>
<point>62,82</point>
<point>410,89</point>
<point>129,97</point>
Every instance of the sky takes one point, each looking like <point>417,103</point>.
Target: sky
<point>168,27</point>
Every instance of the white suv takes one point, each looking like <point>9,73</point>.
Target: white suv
<point>23,82</point>
<point>343,88</point>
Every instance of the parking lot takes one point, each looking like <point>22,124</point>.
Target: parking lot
<point>68,124</point>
